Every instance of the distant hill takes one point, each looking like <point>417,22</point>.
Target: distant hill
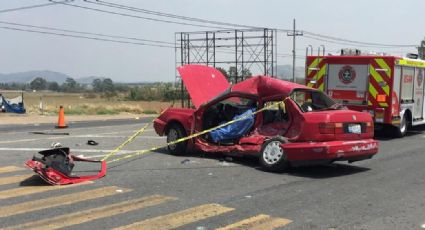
<point>285,72</point>
<point>28,76</point>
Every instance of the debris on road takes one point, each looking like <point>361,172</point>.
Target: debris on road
<point>55,167</point>
<point>49,133</point>
<point>92,142</point>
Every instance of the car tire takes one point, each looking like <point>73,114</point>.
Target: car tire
<point>175,132</point>
<point>401,130</point>
<point>272,156</point>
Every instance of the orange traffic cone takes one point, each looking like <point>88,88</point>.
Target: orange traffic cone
<point>61,121</point>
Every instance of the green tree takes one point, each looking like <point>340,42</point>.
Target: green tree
<point>246,73</point>
<point>38,84</point>
<point>108,85</point>
<point>97,85</point>
<point>53,86</point>
<point>70,85</point>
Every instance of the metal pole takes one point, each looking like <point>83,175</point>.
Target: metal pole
<point>294,33</point>
<point>182,49</point>
<point>293,54</point>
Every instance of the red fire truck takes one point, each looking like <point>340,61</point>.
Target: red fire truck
<point>390,88</point>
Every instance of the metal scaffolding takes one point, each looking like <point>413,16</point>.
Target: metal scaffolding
<point>241,52</point>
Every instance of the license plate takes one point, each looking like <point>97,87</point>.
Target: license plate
<point>354,128</point>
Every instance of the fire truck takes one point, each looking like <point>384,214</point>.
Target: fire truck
<point>390,88</point>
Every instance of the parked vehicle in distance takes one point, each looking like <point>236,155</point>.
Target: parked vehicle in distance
<point>307,128</point>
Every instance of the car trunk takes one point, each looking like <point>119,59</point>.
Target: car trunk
<point>330,125</point>
<point>341,125</point>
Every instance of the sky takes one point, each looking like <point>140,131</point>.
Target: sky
<point>372,21</point>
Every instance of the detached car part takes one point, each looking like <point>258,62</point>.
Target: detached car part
<point>55,167</point>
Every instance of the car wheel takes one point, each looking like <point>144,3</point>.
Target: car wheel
<point>272,156</point>
<point>176,132</point>
<point>401,130</point>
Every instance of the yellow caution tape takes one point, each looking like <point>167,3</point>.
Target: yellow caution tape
<point>129,140</point>
<point>141,152</point>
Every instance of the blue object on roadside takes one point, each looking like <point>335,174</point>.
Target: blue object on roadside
<point>13,108</point>
<point>236,129</point>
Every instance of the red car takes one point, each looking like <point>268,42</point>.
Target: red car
<point>307,128</point>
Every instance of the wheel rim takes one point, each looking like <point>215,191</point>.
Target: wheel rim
<point>273,152</point>
<point>172,136</point>
<point>403,125</point>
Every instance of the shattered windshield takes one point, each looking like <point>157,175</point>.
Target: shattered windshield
<point>312,100</point>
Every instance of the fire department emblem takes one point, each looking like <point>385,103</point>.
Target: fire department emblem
<point>347,74</point>
<point>420,78</point>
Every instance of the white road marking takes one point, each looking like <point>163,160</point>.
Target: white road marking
<point>82,128</point>
<point>73,150</point>
<point>76,136</point>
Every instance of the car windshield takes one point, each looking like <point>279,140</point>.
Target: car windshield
<point>312,100</point>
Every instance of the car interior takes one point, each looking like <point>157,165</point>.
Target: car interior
<point>223,112</point>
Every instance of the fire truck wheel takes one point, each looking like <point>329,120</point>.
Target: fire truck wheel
<point>175,132</point>
<point>272,156</point>
<point>402,129</point>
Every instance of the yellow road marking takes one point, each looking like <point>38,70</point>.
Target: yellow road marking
<point>260,222</point>
<point>58,201</point>
<point>178,219</point>
<point>14,179</point>
<point>93,214</point>
<point>28,190</point>
<point>10,169</point>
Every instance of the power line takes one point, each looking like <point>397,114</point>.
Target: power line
<point>316,36</point>
<point>356,42</point>
<point>84,37</point>
<point>162,14</point>
<point>86,33</point>
<point>31,7</point>
<point>139,17</point>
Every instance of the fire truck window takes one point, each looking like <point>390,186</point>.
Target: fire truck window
<point>407,84</point>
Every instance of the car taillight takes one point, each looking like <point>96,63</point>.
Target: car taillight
<point>330,128</point>
<point>369,127</point>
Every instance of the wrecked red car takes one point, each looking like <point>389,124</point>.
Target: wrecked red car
<point>307,128</point>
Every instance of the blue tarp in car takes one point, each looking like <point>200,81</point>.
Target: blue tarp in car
<point>236,129</point>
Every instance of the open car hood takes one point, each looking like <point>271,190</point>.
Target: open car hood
<point>202,82</point>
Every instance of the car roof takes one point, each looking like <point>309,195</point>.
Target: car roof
<point>266,87</point>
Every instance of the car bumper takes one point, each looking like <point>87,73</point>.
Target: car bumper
<point>159,126</point>
<point>331,151</point>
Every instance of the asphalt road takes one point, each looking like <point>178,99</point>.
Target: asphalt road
<point>161,191</point>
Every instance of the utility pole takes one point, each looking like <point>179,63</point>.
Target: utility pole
<point>294,34</point>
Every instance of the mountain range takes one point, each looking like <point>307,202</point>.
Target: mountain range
<point>283,72</point>
<point>50,76</point>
